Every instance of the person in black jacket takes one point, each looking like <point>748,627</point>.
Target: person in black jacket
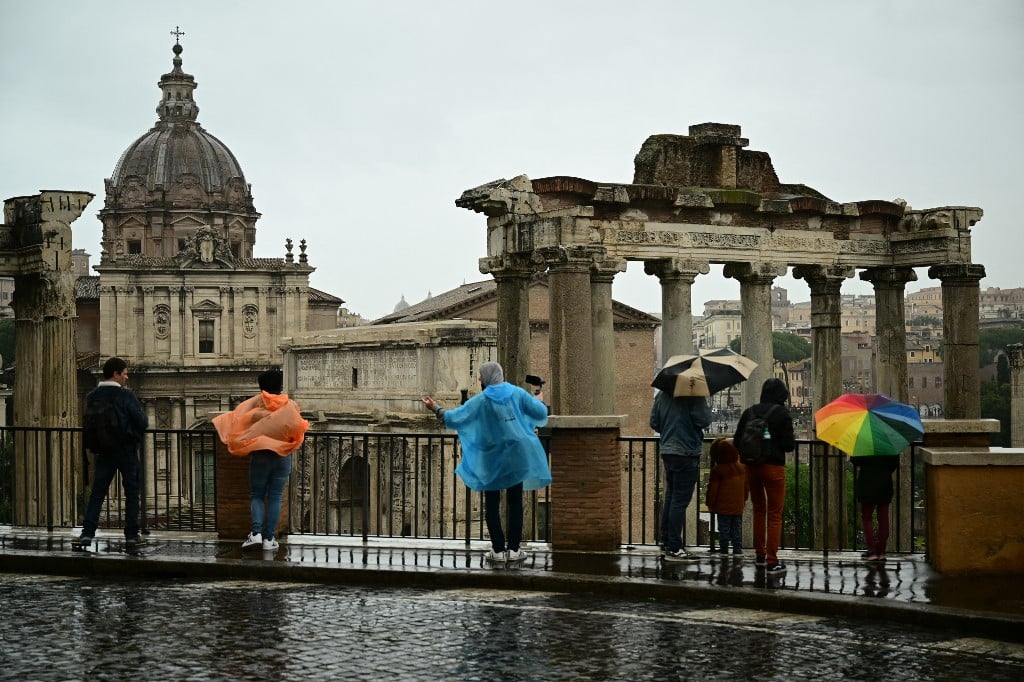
<point>874,490</point>
<point>122,458</point>
<point>767,481</point>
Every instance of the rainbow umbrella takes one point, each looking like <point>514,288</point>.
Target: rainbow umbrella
<point>868,424</point>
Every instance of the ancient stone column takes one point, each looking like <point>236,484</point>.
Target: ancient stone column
<point>828,465</point>
<point>1015,355</point>
<point>891,378</point>
<point>960,309</point>
<point>677,278</point>
<point>571,339</point>
<point>603,333</point>
<point>512,282</point>
<point>45,386</point>
<point>756,320</point>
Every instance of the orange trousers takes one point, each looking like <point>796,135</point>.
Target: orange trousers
<point>767,494</point>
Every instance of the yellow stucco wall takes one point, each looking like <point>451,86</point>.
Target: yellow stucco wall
<point>975,519</point>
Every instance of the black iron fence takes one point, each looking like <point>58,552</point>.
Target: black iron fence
<point>820,514</point>
<point>388,485</point>
<point>45,474</point>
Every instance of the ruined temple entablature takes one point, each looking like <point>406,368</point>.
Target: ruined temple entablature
<point>704,196</point>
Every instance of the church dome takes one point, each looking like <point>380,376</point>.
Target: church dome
<point>177,162</point>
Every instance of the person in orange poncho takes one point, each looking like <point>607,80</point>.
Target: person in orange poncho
<point>269,428</point>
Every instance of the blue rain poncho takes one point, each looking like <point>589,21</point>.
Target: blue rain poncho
<point>499,446</point>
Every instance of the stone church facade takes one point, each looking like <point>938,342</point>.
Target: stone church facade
<point>180,295</point>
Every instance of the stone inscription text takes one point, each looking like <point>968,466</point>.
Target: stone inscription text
<point>357,370</point>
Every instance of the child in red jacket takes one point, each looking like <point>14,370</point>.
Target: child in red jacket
<point>727,494</point>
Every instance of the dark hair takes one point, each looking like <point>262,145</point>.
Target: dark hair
<point>774,391</point>
<point>112,366</point>
<point>271,381</point>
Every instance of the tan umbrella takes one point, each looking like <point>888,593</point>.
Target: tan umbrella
<point>705,374</point>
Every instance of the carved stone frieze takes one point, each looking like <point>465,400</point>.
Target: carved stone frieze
<point>792,242</point>
<point>725,240</point>
<point>864,246</point>
<point>647,237</point>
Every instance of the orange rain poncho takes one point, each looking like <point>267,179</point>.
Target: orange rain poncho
<point>269,421</point>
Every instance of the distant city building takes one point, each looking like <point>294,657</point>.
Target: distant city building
<point>6,296</point>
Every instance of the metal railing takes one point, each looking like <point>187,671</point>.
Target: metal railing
<point>388,485</point>
<point>393,485</point>
<point>835,527</point>
<point>45,473</point>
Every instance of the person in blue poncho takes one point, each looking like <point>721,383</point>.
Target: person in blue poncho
<point>500,451</point>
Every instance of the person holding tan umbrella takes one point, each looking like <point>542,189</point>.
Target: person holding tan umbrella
<point>680,414</point>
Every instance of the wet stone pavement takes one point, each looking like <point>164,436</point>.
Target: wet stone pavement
<point>60,628</point>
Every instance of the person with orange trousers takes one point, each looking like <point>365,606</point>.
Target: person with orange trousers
<point>768,480</point>
<point>268,428</point>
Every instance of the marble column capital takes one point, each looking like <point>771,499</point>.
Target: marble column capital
<point>754,273</point>
<point>888,277</point>
<point>824,278</point>
<point>957,273</point>
<point>571,258</point>
<point>1015,355</point>
<point>676,269</point>
<point>604,270</point>
<point>509,266</point>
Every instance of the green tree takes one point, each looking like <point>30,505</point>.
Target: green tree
<point>7,341</point>
<point>995,404</point>
<point>786,347</point>
<point>925,321</point>
<point>992,341</point>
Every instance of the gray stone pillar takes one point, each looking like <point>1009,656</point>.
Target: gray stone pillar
<point>571,340</point>
<point>177,323</point>
<point>891,378</point>
<point>828,465</point>
<point>1015,355</point>
<point>756,320</point>
<point>677,277</point>
<point>603,333</point>
<point>890,328</point>
<point>512,282</point>
<point>45,385</point>
<point>960,309</point>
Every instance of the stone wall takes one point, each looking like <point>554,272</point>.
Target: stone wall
<point>359,377</point>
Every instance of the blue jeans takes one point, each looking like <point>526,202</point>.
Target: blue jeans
<point>681,472</point>
<point>127,462</point>
<point>492,514</point>
<point>268,475</point>
<point>730,529</point>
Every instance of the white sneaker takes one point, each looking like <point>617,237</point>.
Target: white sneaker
<point>494,557</point>
<point>516,555</point>
<point>253,540</point>
<point>270,545</point>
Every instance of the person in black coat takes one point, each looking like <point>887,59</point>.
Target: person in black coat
<point>767,481</point>
<point>873,488</point>
<point>121,457</point>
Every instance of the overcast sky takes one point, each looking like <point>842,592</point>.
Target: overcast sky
<point>359,124</point>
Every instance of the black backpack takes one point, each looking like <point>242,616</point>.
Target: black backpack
<point>102,428</point>
<point>753,447</point>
